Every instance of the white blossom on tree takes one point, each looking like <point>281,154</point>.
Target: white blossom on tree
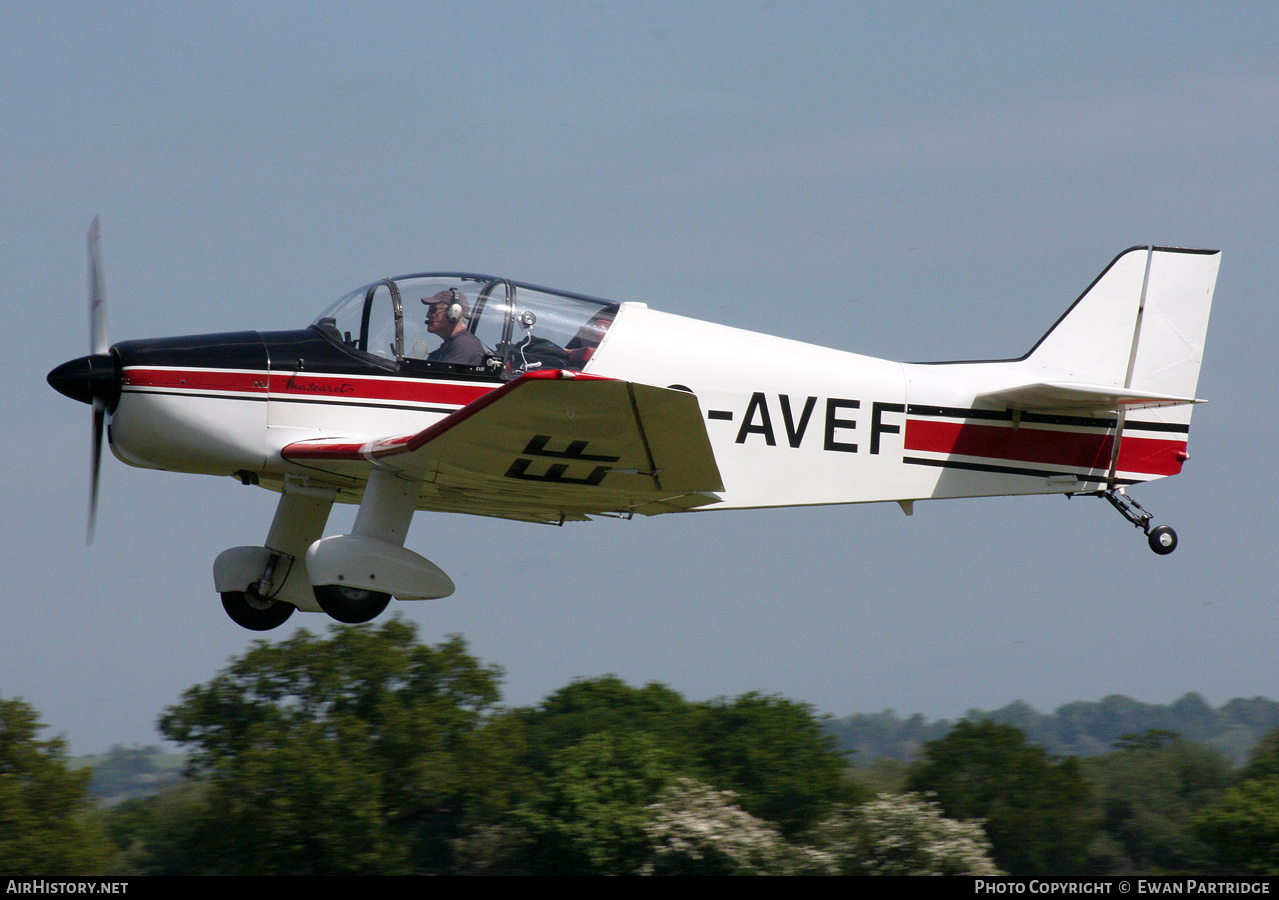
<point>902,834</point>
<point>695,828</point>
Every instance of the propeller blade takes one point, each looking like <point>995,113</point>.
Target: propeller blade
<point>97,344</point>
<point>97,294</point>
<point>95,465</point>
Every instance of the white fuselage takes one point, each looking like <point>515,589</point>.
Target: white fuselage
<point>790,423</point>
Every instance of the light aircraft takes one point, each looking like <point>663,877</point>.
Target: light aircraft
<point>562,407</point>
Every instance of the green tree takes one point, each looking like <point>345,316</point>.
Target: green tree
<point>777,756</point>
<point>1147,794</point>
<point>1035,808</point>
<point>337,755</point>
<point>562,787</point>
<point>45,827</point>
<point>569,786</point>
<point>589,817</point>
<point>155,835</point>
<point>1243,826</point>
<point>608,704</point>
<point>1264,760</point>
<point>368,752</point>
<point>773,753</point>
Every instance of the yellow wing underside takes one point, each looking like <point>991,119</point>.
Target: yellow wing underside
<point>545,448</point>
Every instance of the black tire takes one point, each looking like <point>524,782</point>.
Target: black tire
<point>1163,540</point>
<point>255,613</point>
<point>350,605</point>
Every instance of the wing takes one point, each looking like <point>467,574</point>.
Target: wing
<point>548,447</point>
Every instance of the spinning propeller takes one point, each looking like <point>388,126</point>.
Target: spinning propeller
<point>97,345</point>
<point>92,379</point>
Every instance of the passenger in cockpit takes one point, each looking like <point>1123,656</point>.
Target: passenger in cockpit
<point>446,317</point>
<point>582,347</point>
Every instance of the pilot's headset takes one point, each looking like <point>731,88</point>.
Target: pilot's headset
<point>457,304</point>
<point>456,308</point>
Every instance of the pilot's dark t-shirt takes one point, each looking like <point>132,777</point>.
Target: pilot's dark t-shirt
<point>463,348</point>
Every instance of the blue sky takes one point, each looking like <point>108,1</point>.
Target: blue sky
<point>912,181</point>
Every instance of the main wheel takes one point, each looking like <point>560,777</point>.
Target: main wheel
<point>348,604</point>
<point>1163,540</point>
<point>250,610</point>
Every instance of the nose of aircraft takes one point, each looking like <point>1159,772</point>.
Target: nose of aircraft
<point>88,377</point>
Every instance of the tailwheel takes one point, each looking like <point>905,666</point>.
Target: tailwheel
<point>1162,539</point>
<point>349,604</point>
<point>251,610</point>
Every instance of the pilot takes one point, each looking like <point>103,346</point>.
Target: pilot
<point>447,314</point>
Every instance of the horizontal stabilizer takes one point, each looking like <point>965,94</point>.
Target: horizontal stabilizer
<point>1062,395</point>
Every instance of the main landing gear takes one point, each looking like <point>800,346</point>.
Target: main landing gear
<point>251,610</point>
<point>352,577</point>
<point>349,604</point>
<point>1162,539</point>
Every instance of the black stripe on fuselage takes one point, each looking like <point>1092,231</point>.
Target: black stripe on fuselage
<point>1006,415</point>
<point>1008,470</point>
<point>283,352</point>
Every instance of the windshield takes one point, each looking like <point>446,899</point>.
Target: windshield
<point>421,323</point>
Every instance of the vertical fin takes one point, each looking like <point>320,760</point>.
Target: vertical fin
<point>1141,325</point>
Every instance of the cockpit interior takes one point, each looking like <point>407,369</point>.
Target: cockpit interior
<point>519,327</point>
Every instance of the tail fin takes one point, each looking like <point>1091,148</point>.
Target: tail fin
<point>1133,340</point>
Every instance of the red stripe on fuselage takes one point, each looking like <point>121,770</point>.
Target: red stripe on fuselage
<point>196,379</point>
<point>307,385</point>
<point>303,450</point>
<point>412,442</point>
<point>1149,456</point>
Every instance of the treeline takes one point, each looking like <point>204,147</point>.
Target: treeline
<point>368,752</point>
<point>127,773</point>
<point>1082,728</point>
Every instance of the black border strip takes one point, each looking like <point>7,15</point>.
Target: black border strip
<point>1009,470</point>
<point>1005,415</point>
<point>1173,427</point>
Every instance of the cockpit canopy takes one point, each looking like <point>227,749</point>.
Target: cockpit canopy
<point>498,327</point>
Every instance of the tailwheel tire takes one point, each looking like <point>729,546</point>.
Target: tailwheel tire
<point>1163,540</point>
<point>251,610</point>
<point>350,605</point>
